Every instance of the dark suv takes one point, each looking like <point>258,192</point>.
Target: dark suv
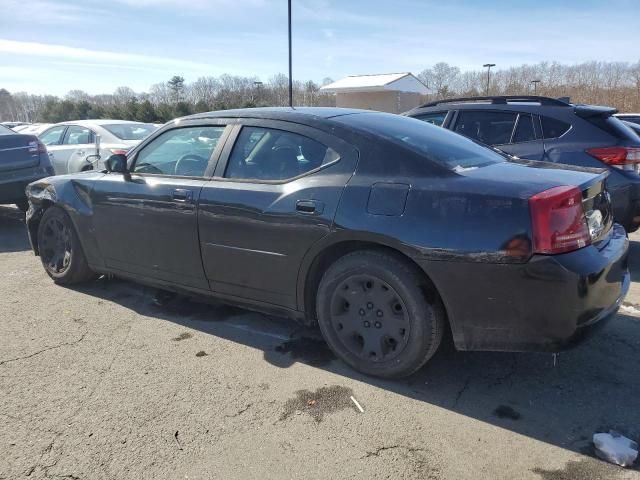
<point>541,128</point>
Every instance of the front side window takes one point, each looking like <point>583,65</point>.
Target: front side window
<point>490,128</point>
<point>436,118</point>
<point>270,154</point>
<point>179,152</point>
<point>78,136</point>
<point>53,136</point>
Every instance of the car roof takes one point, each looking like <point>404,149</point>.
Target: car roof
<point>277,113</point>
<point>99,122</point>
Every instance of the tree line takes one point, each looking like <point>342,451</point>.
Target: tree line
<point>606,83</point>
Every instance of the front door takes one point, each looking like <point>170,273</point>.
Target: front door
<point>275,194</point>
<point>147,224</point>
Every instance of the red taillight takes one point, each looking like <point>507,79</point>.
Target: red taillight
<point>118,151</point>
<point>618,156</point>
<point>558,220</point>
<point>37,146</point>
<point>42,148</point>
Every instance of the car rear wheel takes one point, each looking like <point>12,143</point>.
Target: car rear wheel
<point>60,250</point>
<point>374,314</point>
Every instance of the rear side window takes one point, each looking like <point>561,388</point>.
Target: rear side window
<point>524,131</point>
<point>491,128</point>
<point>552,128</point>
<point>437,144</point>
<point>435,118</point>
<point>271,154</point>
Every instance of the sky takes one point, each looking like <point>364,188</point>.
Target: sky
<point>53,46</point>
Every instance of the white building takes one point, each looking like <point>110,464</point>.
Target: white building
<point>386,92</point>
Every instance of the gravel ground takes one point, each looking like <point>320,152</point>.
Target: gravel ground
<point>96,382</point>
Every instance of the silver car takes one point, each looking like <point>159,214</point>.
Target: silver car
<point>84,144</point>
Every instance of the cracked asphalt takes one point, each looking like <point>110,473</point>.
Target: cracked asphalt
<point>97,382</point>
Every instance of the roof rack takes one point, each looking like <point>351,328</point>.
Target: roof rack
<point>502,100</point>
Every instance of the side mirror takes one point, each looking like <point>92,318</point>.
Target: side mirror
<point>116,163</point>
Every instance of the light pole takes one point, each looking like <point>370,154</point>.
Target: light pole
<point>257,85</point>
<point>535,86</point>
<point>290,62</point>
<point>488,67</point>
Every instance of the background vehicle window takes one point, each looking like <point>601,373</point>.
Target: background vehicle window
<point>6,130</point>
<point>491,128</point>
<point>524,130</point>
<point>130,131</point>
<point>436,118</point>
<point>552,128</point>
<point>270,154</point>
<point>52,136</point>
<point>180,152</point>
<point>78,136</point>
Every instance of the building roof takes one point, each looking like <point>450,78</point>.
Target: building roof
<point>394,82</point>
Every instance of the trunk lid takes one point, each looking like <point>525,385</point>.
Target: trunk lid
<point>525,178</point>
<point>18,152</point>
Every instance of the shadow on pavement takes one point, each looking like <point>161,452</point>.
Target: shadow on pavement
<point>591,388</point>
<point>13,232</point>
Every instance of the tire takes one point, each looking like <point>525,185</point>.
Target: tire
<point>375,316</point>
<point>23,205</point>
<point>60,251</point>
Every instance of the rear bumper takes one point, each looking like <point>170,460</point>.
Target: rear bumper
<point>547,304</point>
<point>14,182</point>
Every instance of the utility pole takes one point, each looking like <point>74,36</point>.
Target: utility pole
<point>488,67</point>
<point>535,86</point>
<point>290,62</point>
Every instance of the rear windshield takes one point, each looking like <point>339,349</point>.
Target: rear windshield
<point>5,130</point>
<point>613,126</point>
<point>130,131</point>
<point>437,144</point>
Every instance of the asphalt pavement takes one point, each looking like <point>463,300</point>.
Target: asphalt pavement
<point>97,382</point>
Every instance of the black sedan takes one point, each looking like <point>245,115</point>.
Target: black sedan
<point>384,230</point>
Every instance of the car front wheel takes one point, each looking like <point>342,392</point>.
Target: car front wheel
<point>60,250</point>
<point>374,314</point>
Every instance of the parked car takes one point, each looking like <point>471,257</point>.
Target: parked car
<point>381,228</point>
<point>32,128</point>
<point>540,128</point>
<point>12,125</point>
<point>72,145</point>
<point>629,117</point>
<point>23,159</point>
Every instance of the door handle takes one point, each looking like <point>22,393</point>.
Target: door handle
<point>309,207</point>
<point>182,195</point>
<point>80,152</point>
<point>51,154</point>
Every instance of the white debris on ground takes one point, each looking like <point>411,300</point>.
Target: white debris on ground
<point>615,448</point>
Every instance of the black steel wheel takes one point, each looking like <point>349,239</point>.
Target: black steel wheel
<point>60,250</point>
<point>373,313</point>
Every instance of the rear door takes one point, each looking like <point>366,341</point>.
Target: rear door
<point>274,195</point>
<point>78,143</point>
<point>147,224</point>
<point>515,133</point>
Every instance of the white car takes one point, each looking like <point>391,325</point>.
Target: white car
<point>32,128</point>
<point>72,146</point>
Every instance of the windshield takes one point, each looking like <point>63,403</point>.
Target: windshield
<point>5,131</point>
<point>437,144</point>
<point>130,131</point>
